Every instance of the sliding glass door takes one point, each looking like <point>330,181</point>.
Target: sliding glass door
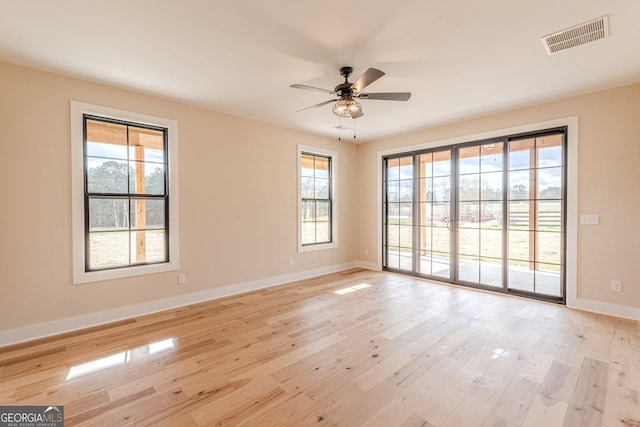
<point>479,221</point>
<point>434,250</point>
<point>488,214</point>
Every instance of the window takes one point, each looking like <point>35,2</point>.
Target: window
<point>317,199</point>
<point>124,193</point>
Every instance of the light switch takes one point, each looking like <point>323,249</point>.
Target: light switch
<point>590,219</point>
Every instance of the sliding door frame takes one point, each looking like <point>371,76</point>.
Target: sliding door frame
<point>455,200</point>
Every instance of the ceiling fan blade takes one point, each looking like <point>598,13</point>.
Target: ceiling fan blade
<point>369,76</point>
<point>318,105</point>
<point>387,96</point>
<point>316,89</point>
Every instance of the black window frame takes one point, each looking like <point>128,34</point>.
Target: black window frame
<point>129,196</point>
<point>315,199</point>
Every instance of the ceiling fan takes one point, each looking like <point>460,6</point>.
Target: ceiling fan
<point>346,104</point>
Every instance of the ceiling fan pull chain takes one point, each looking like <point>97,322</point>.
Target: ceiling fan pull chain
<point>339,129</point>
<point>354,128</point>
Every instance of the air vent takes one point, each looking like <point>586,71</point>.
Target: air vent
<point>575,36</point>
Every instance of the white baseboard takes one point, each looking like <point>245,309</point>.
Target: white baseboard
<point>70,324</point>
<point>369,265</point>
<point>607,308</point>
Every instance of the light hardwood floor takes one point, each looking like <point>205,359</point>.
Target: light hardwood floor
<point>352,348</point>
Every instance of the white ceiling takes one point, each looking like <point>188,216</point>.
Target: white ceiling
<point>239,57</point>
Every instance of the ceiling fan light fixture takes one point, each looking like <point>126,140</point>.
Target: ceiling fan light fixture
<point>347,108</point>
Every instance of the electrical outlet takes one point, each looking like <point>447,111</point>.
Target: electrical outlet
<point>291,261</point>
<point>182,279</point>
<point>366,251</point>
<point>616,286</point>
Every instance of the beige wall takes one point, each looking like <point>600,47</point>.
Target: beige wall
<point>238,196</point>
<point>609,174</point>
<point>238,208</point>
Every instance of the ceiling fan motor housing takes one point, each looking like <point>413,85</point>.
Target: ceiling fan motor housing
<point>344,90</point>
<point>346,72</point>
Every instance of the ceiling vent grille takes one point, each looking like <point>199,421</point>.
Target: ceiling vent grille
<point>575,36</point>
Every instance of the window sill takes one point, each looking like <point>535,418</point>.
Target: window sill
<point>319,247</point>
<point>80,277</point>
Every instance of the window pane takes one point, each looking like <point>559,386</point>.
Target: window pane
<point>549,216</point>
<point>321,188</point>
<point>519,243</point>
<point>442,163</point>
<point>425,238</point>
<point>406,213</point>
<point>491,215</point>
<point>469,160</point>
<point>393,213</point>
<point>105,133</point>
<point>491,157</point>
<point>469,241</point>
<point>406,236</point>
<point>491,186</point>
<point>393,191</point>
<point>424,263</point>
<point>425,213</point>
<point>549,247</point>
<point>307,190</point>
<point>147,214</point>
<point>308,211</point>
<point>469,214</point>
<point>323,210</point>
<point>406,168</point>
<point>146,144</point>
<point>520,153</point>
<point>491,243</point>
<point>442,189</point>
<point>441,214</point>
<point>440,265</point>
<point>107,176</point>
<point>308,233</point>
<point>520,277</point>
<point>426,190</point>
<point>549,149</point>
<point>406,190</point>
<point>306,164</point>
<point>322,167</point>
<point>406,261</point>
<point>393,169</point>
<point>146,178</point>
<point>519,215</point>
<point>550,183</point>
<point>393,257</point>
<point>323,233</point>
<point>112,151</point>
<point>548,279</point>
<point>393,235</point>
<point>470,187</point>
<point>491,271</point>
<point>519,185</point>
<point>108,249</point>
<point>108,214</point>
<point>148,246</point>
<point>469,269</point>
<point>440,241</point>
<point>426,165</point>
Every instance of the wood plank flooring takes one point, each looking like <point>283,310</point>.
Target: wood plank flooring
<point>348,349</point>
